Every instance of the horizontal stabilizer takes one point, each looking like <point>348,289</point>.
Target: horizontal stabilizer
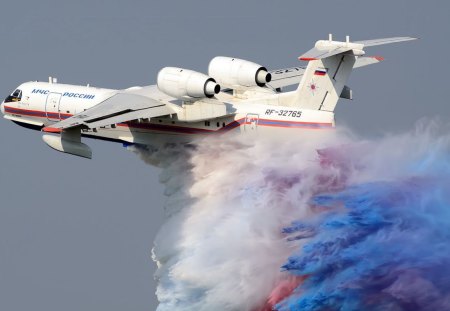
<point>375,42</point>
<point>328,48</point>
<point>330,63</point>
<point>319,52</point>
<point>346,93</point>
<point>366,61</point>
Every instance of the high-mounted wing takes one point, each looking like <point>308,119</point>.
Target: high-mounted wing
<point>121,107</point>
<point>285,77</point>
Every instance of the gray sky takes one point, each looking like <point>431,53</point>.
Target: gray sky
<point>76,234</point>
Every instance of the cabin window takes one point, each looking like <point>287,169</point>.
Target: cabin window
<point>16,96</point>
<point>207,123</point>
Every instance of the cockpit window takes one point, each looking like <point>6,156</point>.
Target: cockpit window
<point>16,96</point>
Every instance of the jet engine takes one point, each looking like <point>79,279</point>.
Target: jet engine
<point>235,73</point>
<point>186,84</point>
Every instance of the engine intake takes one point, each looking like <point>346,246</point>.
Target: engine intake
<point>235,73</point>
<point>186,84</point>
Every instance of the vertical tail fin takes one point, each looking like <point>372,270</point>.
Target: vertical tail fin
<point>323,82</point>
<point>329,67</point>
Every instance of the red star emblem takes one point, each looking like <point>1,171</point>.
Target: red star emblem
<point>313,86</point>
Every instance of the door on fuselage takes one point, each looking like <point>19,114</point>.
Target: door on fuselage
<point>52,106</point>
<point>251,122</point>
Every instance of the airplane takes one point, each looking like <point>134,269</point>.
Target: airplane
<point>236,95</point>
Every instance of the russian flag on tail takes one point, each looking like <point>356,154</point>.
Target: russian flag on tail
<point>320,72</point>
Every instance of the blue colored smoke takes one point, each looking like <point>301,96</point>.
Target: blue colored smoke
<point>380,246</point>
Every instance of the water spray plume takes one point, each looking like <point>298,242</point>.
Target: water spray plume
<point>320,221</point>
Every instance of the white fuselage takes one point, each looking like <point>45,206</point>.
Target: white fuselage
<point>43,104</point>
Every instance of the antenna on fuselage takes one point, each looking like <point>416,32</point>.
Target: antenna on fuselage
<point>52,80</point>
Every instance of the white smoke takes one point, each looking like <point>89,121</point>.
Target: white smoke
<point>221,245</point>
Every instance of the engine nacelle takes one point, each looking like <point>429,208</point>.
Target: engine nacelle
<point>186,84</point>
<point>235,73</point>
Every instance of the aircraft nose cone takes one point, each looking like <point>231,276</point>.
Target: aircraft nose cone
<point>2,108</point>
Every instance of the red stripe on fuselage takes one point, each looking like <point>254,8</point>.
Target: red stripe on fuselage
<point>300,122</point>
<point>182,129</point>
<point>35,113</point>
